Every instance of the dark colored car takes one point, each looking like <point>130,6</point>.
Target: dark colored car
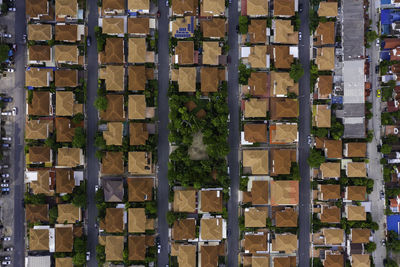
<point>158,14</point>
<point>237,28</point>
<point>377,69</point>
<point>88,41</point>
<point>300,7</point>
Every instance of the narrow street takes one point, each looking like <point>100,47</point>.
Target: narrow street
<point>304,132</point>
<point>163,145</point>
<point>374,166</point>
<point>18,159</point>
<point>234,138</point>
<point>92,164</point>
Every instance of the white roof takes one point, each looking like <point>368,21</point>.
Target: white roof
<point>39,261</point>
<point>353,77</point>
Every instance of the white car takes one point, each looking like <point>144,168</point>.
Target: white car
<point>166,3</point>
<point>299,36</point>
<point>5,175</point>
<point>6,113</point>
<point>96,188</point>
<point>4,185</point>
<point>14,111</point>
<point>6,262</point>
<point>6,138</point>
<point>7,238</point>
<point>7,35</point>
<point>10,70</point>
<point>88,256</point>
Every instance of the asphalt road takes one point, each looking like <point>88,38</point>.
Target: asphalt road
<point>18,142</point>
<point>234,138</point>
<point>304,148</point>
<point>163,145</point>
<point>92,164</point>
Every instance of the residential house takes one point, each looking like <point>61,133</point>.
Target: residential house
<point>65,182</point>
<point>256,243</point>
<point>39,238</point>
<point>184,7</point>
<point>209,254</point>
<point>140,189</point>
<point>142,6</point>
<point>136,78</point>
<point>114,77</point>
<point>137,247</point>
<point>112,163</point>
<point>114,220</point>
<point>328,9</point>
<point>284,32</point>
<point>256,56</point>
<point>360,235</point>
<point>137,221</point>
<point>325,34</point>
<point>286,243</point>
<point>68,213</point>
<point>113,134</point>
<point>355,213</point>
<point>255,162</point>
<point>325,58</point>
<point>140,162</point>
<point>322,116</point>
<point>138,133</point>
<point>212,8</point>
<point>115,108</point>
<point>356,193</point>
<point>138,26</point>
<point>40,154</point>
<point>187,79</point>
<point>210,78</point>
<point>38,129</point>
<point>184,53</point>
<point>355,150</point>
<point>184,229</point>
<point>333,149</point>
<point>360,260</point>
<point>211,53</point>
<point>286,218</point>
<point>114,248</point>
<point>113,26</point>
<point>38,77</point>
<point>66,9</point>
<point>324,86</point>
<point>257,31</point>
<point>284,8</point>
<point>328,192</point>
<point>255,217</point>
<point>187,255</point>
<point>212,228</point>
<point>113,51</point>
<point>185,201</point>
<point>333,236</point>
<point>113,7</point>
<point>37,9</point>
<point>113,189</point>
<point>284,56</point>
<point>39,54</point>
<point>282,160</point>
<point>256,8</point>
<point>183,27</point>
<point>283,133</point>
<point>288,261</point>
<point>356,169</point>
<point>40,32</point>
<point>330,214</point>
<point>66,78</point>
<point>255,108</point>
<point>284,192</point>
<point>68,32</point>
<point>66,54</point>
<point>282,84</point>
<point>66,105</point>
<point>333,259</point>
<point>64,238</point>
<point>40,182</point>
<point>40,104</point>
<point>37,213</point>
<point>70,157</point>
<point>257,84</point>
<point>137,51</point>
<point>214,28</point>
<point>254,133</point>
<point>282,108</point>
<point>330,170</point>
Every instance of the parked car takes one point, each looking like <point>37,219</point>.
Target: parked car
<point>6,238</point>
<point>5,145</point>
<point>6,262</point>
<point>309,140</point>
<point>6,113</point>
<point>10,70</point>
<point>3,167</point>
<point>300,7</point>
<point>4,185</point>
<point>7,258</point>
<point>6,99</point>
<point>5,181</point>
<point>24,38</point>
<point>9,249</point>
<point>237,28</point>
<point>382,195</point>
<point>5,175</point>
<point>299,36</point>
<point>14,111</point>
<point>7,35</point>
<point>88,256</point>
<point>378,42</point>
<point>12,9</point>
<point>166,3</point>
<point>96,188</point>
<point>5,192</point>
<point>88,41</point>
<point>5,189</point>
<point>158,14</point>
<point>6,138</point>
<point>378,93</point>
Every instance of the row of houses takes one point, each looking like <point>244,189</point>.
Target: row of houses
<point>55,132</point>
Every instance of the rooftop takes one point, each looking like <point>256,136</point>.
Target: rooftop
<point>284,193</point>
<point>255,108</point>
<point>115,108</point>
<point>329,191</point>
<point>356,169</point>
<point>256,160</point>
<point>140,162</point>
<point>184,201</point>
<point>331,214</point>
<point>68,213</point>
<point>112,163</point>
<point>114,248</point>
<point>255,217</point>
<point>284,32</point>
<point>114,220</point>
<point>285,242</point>
<point>140,189</point>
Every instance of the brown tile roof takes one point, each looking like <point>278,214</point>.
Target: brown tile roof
<point>257,8</point>
<point>37,212</point>
<point>64,130</point>
<point>185,52</point>
<point>322,116</point>
<point>257,161</point>
<point>136,220</point>
<point>113,25</point>
<point>140,189</point>
<point>38,129</point>
<point>114,247</point>
<point>328,9</point>
<point>67,8</point>
<point>284,8</point>
<point>184,201</point>
<point>209,79</point>
<point>187,79</point>
<point>333,149</point>
<point>258,83</point>
<point>356,213</point>
<point>64,103</point>
<point>284,193</point>
<point>254,243</point>
<point>34,8</point>
<point>64,239</point>
<point>284,261</point>
<point>214,28</point>
<point>137,78</point>
<point>333,236</point>
<point>257,57</point>
<point>65,182</point>
<point>325,33</point>
<point>40,105</point>
<point>359,235</point>
<point>113,189</point>
<point>68,213</point>
<point>114,77</point>
<point>281,84</point>
<point>138,134</point>
<point>356,169</point>
<point>40,32</point>
<point>64,262</point>
<point>255,217</point>
<point>66,32</point>
<point>255,108</point>
<point>138,25</point>
<point>356,150</point>
<point>255,133</point>
<point>43,184</point>
<point>360,260</point>
<point>333,261</point>
<point>137,107</point>
<point>211,52</point>
<point>282,57</point>
<point>259,192</point>
<point>280,162</point>
<point>285,242</point>
<point>66,53</point>
<point>356,193</point>
<point>283,133</point>
<point>137,50</point>
<point>257,31</point>
<point>181,7</point>
<point>260,261</point>
<point>114,220</point>
<point>114,50</point>
<point>329,191</point>
<point>38,239</point>
<point>66,78</point>
<point>39,154</point>
<point>140,162</point>
<point>113,134</point>
<point>330,169</point>
<point>69,157</point>
<point>284,108</point>
<point>209,254</point>
<point>284,32</point>
<point>111,5</point>
<point>331,214</point>
<point>137,247</point>
<point>211,228</point>
<point>184,229</point>
<point>211,200</point>
<point>187,255</point>
<point>115,108</point>
<point>212,8</point>
<point>286,218</point>
<point>39,53</point>
<point>325,83</point>
<point>37,77</point>
<point>112,163</point>
<point>325,59</point>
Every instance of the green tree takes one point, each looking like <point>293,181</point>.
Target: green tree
<point>337,130</point>
<point>171,218</point>
<point>79,259</point>
<point>79,245</point>
<point>34,199</point>
<point>244,74</point>
<point>243,183</point>
<point>79,140</point>
<point>53,215</point>
<point>321,132</point>
<point>296,71</point>
<point>316,158</point>
<point>100,254</point>
<point>370,247</point>
<point>243,24</point>
<point>371,36</point>
<point>151,207</point>
<point>99,141</point>
<point>390,263</point>
<point>386,149</point>
<point>101,103</point>
<point>78,118</point>
<point>4,52</point>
